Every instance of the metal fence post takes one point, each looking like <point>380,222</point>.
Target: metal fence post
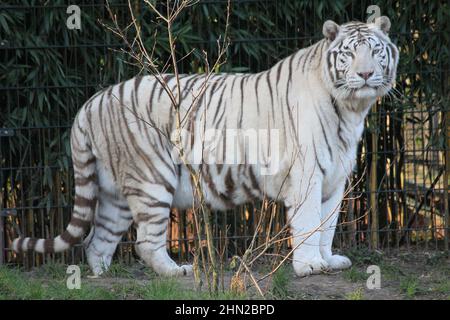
<point>446,131</point>
<point>2,240</point>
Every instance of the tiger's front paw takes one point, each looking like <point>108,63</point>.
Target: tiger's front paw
<point>186,270</point>
<point>177,271</point>
<point>337,262</point>
<point>306,267</point>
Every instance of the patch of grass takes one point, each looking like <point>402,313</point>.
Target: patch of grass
<point>130,290</point>
<point>55,271</point>
<point>119,270</point>
<point>409,286</point>
<point>280,282</point>
<point>437,259</point>
<point>358,294</point>
<point>163,289</point>
<point>391,271</point>
<point>444,269</point>
<point>18,285</point>
<point>355,275</point>
<point>14,285</point>
<point>443,287</point>
<point>51,270</point>
<point>58,290</point>
<point>364,256</point>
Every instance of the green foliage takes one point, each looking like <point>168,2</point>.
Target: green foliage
<point>443,287</point>
<point>280,282</point>
<point>164,289</point>
<point>409,286</point>
<point>391,271</point>
<point>362,256</point>
<point>355,275</point>
<point>54,271</point>
<point>438,258</point>
<point>358,294</point>
<point>14,286</point>
<point>119,270</point>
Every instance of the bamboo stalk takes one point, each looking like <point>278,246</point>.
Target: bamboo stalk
<point>373,184</point>
<point>2,244</point>
<point>211,251</point>
<point>352,222</point>
<point>446,177</point>
<point>29,231</point>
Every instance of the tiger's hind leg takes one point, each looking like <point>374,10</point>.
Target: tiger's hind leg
<point>150,204</point>
<point>111,222</point>
<point>112,219</point>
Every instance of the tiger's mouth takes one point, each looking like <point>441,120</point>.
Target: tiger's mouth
<point>366,87</point>
<point>371,85</point>
<point>368,91</point>
<point>363,85</point>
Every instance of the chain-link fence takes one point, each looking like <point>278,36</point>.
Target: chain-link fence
<point>48,70</point>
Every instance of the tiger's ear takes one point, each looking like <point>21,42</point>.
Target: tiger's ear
<point>330,30</point>
<point>383,23</point>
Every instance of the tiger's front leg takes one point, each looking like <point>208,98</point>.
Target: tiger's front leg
<point>330,214</point>
<point>304,216</point>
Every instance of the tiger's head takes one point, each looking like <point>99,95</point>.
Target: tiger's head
<point>360,61</point>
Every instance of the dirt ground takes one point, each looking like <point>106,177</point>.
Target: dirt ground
<point>404,275</point>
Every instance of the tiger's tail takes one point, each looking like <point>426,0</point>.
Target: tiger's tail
<point>86,193</point>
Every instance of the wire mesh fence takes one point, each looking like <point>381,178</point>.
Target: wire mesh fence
<point>48,71</point>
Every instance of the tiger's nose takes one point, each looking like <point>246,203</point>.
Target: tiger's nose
<point>365,75</point>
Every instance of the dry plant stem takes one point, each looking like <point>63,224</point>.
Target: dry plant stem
<point>255,282</point>
<point>200,252</point>
<point>196,271</point>
<point>222,254</point>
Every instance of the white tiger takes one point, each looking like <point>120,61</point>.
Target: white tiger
<point>317,99</point>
